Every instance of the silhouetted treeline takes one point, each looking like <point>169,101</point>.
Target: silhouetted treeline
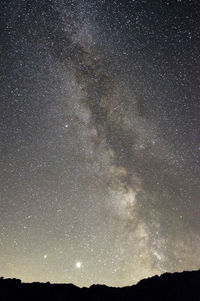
<point>168,287</point>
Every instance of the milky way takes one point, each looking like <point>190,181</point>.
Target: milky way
<point>99,140</point>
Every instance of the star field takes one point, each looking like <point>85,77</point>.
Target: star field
<point>99,140</point>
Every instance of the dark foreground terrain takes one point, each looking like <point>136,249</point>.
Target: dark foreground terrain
<point>177,286</point>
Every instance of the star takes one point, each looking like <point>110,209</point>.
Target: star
<point>78,264</point>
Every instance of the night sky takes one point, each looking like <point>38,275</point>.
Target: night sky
<point>99,139</point>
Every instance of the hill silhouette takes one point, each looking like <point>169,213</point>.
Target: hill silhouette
<point>183,286</point>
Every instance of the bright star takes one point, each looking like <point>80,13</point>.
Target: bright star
<point>78,264</point>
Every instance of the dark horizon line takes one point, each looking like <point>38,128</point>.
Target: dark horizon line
<point>19,281</point>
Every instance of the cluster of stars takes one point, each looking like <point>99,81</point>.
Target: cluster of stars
<point>99,132</point>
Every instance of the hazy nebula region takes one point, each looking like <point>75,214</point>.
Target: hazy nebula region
<point>99,140</point>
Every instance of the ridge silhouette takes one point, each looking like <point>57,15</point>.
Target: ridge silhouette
<point>183,286</point>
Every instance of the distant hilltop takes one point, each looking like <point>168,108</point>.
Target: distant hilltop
<point>183,286</point>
